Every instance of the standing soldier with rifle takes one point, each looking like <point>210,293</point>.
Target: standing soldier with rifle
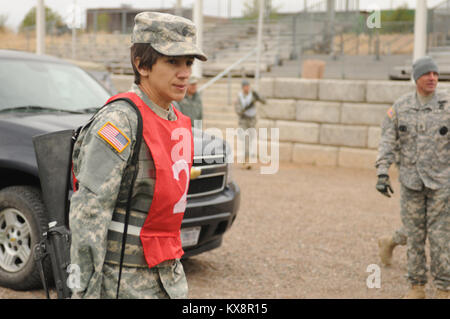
<point>118,200</point>
<point>245,108</point>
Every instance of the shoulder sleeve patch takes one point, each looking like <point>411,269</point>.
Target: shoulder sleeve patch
<point>390,112</point>
<point>114,137</point>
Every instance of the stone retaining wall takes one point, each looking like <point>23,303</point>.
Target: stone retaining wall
<point>329,122</point>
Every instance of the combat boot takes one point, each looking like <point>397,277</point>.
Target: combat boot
<point>442,294</point>
<point>416,292</point>
<point>386,247</point>
<point>246,166</point>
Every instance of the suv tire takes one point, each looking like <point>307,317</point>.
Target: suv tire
<point>22,222</point>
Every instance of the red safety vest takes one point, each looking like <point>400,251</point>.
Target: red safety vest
<point>172,147</point>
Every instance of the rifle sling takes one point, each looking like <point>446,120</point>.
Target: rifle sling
<point>133,162</point>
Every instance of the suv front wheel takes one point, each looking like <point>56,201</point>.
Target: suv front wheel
<point>22,221</point>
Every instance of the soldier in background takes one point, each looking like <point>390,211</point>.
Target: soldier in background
<point>419,123</point>
<point>192,105</point>
<point>245,107</point>
<point>387,244</point>
<point>162,54</point>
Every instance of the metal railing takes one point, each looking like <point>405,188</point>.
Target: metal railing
<point>227,72</point>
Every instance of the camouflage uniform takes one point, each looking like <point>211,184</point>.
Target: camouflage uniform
<point>399,237</point>
<point>245,107</point>
<point>99,170</point>
<point>104,175</point>
<point>168,34</point>
<point>420,132</point>
<point>191,106</point>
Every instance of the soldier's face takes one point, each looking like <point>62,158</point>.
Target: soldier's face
<point>192,88</point>
<point>167,81</point>
<point>246,89</point>
<point>427,83</point>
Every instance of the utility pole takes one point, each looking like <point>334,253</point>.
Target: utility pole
<point>329,36</point>
<point>40,27</point>
<point>198,21</point>
<point>74,30</point>
<point>179,8</point>
<point>259,42</point>
<point>420,29</point>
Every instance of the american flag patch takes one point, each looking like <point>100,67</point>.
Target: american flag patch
<point>114,137</point>
<point>390,112</point>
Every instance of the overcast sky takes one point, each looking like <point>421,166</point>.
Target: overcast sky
<point>15,10</point>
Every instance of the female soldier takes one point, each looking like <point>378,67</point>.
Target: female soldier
<point>162,54</point>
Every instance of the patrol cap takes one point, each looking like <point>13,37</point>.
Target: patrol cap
<point>245,82</point>
<point>424,65</point>
<point>168,34</point>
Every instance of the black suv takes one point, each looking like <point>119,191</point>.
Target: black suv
<point>42,94</point>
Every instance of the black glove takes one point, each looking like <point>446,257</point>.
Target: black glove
<point>383,185</point>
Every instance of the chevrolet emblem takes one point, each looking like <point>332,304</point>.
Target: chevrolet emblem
<point>195,172</point>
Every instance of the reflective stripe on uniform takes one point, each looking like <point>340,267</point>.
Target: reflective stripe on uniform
<point>119,227</point>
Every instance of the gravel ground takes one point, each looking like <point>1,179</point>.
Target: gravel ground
<point>305,232</point>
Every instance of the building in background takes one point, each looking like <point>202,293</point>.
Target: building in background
<point>121,20</point>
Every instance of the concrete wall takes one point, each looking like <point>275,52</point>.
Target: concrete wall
<point>321,122</point>
<point>329,122</point>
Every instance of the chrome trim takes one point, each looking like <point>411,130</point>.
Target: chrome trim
<point>211,166</point>
<point>211,170</point>
<point>209,156</point>
<point>218,190</point>
<point>210,175</point>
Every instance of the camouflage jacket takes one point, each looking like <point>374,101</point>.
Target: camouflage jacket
<point>191,106</point>
<point>245,105</point>
<point>420,134</point>
<point>99,169</point>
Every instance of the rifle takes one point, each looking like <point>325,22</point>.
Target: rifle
<point>54,158</point>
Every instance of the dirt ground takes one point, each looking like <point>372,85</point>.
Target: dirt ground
<point>305,232</point>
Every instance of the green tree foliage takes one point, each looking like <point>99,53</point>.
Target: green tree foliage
<point>52,18</point>
<point>251,9</point>
<point>3,18</point>
<point>400,20</point>
<point>103,21</point>
<point>400,14</point>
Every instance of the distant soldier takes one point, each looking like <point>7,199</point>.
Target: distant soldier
<point>245,107</point>
<point>111,182</point>
<point>192,105</point>
<point>418,124</point>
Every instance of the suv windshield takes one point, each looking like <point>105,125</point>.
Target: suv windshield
<point>47,85</point>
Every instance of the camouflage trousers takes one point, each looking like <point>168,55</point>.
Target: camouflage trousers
<point>248,144</point>
<point>164,281</point>
<point>426,213</point>
<point>400,236</point>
